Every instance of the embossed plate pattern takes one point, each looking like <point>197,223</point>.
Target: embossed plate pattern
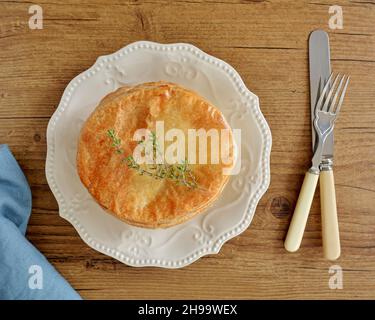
<point>205,234</point>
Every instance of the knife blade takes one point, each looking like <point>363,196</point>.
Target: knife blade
<point>320,70</point>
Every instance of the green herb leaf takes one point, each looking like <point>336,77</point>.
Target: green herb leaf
<point>180,173</point>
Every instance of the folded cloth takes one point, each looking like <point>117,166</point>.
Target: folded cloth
<point>25,274</point>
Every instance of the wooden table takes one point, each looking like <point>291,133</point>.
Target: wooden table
<point>266,41</point>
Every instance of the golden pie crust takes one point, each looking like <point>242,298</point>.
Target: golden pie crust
<point>138,199</point>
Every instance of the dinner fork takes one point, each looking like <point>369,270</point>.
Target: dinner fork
<point>326,112</point>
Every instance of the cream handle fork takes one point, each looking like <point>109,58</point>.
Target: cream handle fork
<point>301,212</point>
<point>330,226</point>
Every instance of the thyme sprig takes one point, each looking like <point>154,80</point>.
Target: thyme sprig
<point>180,173</point>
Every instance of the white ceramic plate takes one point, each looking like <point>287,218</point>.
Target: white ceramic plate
<point>180,245</point>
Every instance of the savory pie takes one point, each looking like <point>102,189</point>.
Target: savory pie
<point>156,195</point>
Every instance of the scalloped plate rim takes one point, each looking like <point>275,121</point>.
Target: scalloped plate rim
<point>87,238</point>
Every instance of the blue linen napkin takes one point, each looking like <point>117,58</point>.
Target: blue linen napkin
<point>25,274</point>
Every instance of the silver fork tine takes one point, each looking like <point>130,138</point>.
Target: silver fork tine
<point>342,96</point>
<point>327,105</point>
<point>332,105</point>
<point>319,103</point>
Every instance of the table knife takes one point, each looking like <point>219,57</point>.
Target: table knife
<point>319,57</point>
<point>320,70</point>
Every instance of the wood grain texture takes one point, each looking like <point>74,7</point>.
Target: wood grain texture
<point>266,41</point>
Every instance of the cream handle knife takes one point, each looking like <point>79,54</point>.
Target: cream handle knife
<point>301,212</point>
<point>330,226</point>
<point>320,70</point>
